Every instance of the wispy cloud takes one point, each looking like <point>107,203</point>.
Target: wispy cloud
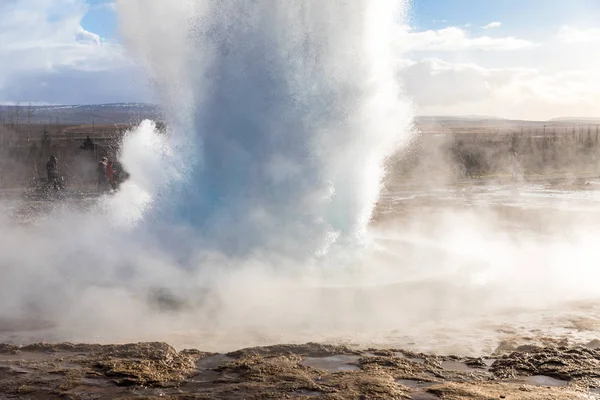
<point>570,34</point>
<point>458,39</point>
<point>441,87</point>
<point>492,25</point>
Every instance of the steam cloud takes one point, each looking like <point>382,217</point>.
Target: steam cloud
<point>250,214</point>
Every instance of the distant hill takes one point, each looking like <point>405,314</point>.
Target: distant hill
<point>577,120</point>
<point>102,114</point>
<point>128,113</point>
<point>436,118</point>
<point>457,118</point>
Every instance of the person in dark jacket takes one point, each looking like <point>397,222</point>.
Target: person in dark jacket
<point>52,170</point>
<point>120,175</point>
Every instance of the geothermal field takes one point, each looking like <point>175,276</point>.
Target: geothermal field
<point>289,228</point>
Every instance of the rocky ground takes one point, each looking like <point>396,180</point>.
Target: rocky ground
<point>553,370</point>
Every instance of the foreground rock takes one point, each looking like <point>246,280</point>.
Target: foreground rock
<point>157,371</point>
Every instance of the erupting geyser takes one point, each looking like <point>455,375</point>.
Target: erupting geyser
<point>281,114</point>
<point>248,213</point>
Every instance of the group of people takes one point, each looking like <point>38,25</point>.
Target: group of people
<point>110,174</point>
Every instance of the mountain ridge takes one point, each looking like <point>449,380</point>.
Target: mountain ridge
<point>131,113</point>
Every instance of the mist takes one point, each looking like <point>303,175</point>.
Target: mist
<point>249,221</point>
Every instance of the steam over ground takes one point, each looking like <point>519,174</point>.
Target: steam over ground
<point>248,218</point>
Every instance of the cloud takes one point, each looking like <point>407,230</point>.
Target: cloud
<point>439,87</point>
<point>84,36</point>
<point>492,25</point>
<point>570,34</point>
<point>435,82</point>
<point>458,39</point>
<point>43,41</point>
<point>66,85</point>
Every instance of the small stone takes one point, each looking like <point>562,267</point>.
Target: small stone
<point>594,344</point>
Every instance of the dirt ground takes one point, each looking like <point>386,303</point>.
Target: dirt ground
<point>554,370</point>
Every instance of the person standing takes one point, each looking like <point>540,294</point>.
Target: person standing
<point>119,174</point>
<point>101,172</point>
<point>52,170</point>
<point>110,175</point>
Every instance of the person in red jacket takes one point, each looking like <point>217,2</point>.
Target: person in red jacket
<point>101,172</point>
<point>110,175</point>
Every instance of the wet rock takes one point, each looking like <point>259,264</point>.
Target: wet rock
<point>399,368</point>
<point>157,371</point>
<point>150,364</point>
<point>196,353</point>
<point>8,349</point>
<point>307,350</point>
<point>383,353</point>
<point>490,391</point>
<point>58,347</point>
<point>557,362</point>
<point>475,362</point>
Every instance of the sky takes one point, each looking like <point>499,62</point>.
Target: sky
<point>523,59</point>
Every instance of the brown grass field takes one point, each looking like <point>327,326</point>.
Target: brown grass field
<point>443,151</point>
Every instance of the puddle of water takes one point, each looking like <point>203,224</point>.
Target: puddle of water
<point>211,362</point>
<point>94,382</point>
<point>457,366</point>
<point>542,380</point>
<point>34,356</point>
<point>147,392</point>
<point>340,363</point>
<point>423,396</point>
<point>96,392</point>
<point>306,393</point>
<point>6,373</point>
<point>204,377</point>
<point>489,361</point>
<point>415,384</point>
<point>205,380</point>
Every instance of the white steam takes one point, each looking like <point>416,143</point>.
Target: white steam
<point>145,153</point>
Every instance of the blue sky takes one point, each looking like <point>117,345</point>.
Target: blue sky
<point>101,18</point>
<point>530,17</point>
<point>530,59</point>
<point>517,16</point>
